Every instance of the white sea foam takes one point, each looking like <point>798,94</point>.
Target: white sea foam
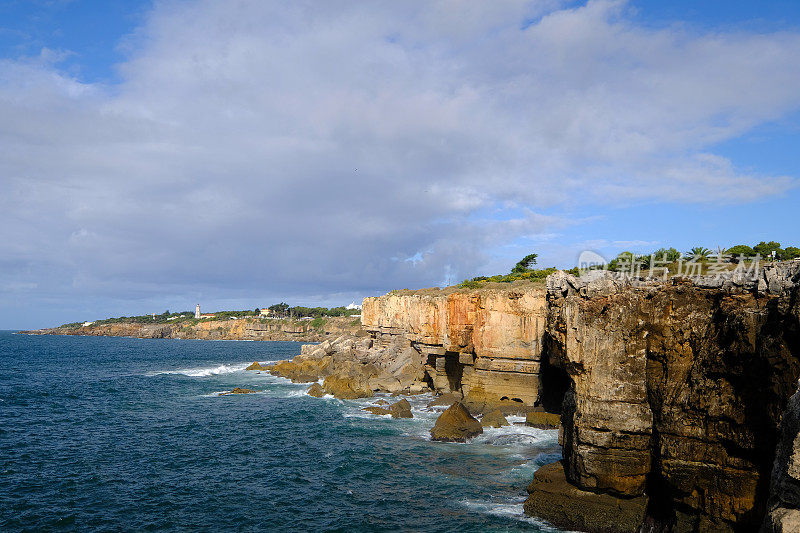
<point>203,372</point>
<point>509,509</point>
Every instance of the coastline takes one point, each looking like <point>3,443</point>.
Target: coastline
<point>252,329</point>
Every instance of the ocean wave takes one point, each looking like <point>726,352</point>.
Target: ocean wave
<point>508,509</point>
<point>203,372</point>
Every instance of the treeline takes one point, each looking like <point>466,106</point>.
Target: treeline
<point>663,258</point>
<point>284,310</point>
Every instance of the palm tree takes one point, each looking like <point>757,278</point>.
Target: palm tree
<point>698,253</point>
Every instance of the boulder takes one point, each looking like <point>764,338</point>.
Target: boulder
<point>455,425</point>
<point>401,409</point>
<point>382,402</point>
<point>346,387</point>
<point>542,420</point>
<point>255,366</point>
<point>316,390</point>
<point>553,498</point>
<point>494,419</point>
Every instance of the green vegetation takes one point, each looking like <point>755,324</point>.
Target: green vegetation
<point>659,262</point>
<point>283,310</point>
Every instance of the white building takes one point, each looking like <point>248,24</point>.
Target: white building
<point>197,312</point>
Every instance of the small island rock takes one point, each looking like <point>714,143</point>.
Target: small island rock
<point>494,419</point>
<point>456,425</point>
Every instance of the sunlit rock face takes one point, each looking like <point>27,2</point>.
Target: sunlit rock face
<point>485,342</point>
<point>677,391</point>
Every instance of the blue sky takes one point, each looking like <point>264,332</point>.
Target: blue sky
<point>156,155</point>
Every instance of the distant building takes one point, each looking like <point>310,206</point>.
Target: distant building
<point>207,315</point>
<point>197,311</point>
<point>264,311</point>
<point>353,306</point>
<point>87,324</point>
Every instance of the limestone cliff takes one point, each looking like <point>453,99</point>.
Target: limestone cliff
<point>486,341</point>
<point>677,390</point>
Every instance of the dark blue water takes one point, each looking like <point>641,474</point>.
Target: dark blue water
<point>125,434</point>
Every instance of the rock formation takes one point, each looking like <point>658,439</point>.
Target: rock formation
<point>401,409</point>
<point>242,329</point>
<point>494,419</point>
<point>456,425</point>
<point>485,344</point>
<point>783,515</point>
<point>677,389</point>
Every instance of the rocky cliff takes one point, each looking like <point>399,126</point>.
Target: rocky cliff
<point>477,342</point>
<point>242,329</point>
<point>677,391</point>
<point>671,393</point>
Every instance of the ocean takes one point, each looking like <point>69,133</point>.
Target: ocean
<point>119,434</point>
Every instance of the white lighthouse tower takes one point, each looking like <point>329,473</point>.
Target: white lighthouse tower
<point>197,312</point>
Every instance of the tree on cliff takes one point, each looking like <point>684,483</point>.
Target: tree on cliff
<point>790,252</point>
<point>698,253</point>
<point>738,251</point>
<point>525,264</point>
<point>765,249</point>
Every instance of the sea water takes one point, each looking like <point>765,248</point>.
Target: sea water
<point>119,434</point>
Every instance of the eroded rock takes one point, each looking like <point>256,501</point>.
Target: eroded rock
<point>554,499</point>
<point>316,390</point>
<point>494,419</point>
<point>542,420</point>
<point>456,425</point>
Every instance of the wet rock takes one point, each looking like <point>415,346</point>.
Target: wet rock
<point>316,390</point>
<point>255,366</point>
<point>238,390</point>
<point>456,425</point>
<point>554,499</point>
<point>401,409</point>
<point>382,402</point>
<point>346,387</point>
<point>542,420</point>
<point>494,419</point>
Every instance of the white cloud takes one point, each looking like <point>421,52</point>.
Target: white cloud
<point>299,147</point>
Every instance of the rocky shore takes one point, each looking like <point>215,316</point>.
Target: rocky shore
<point>241,329</point>
<point>671,395</point>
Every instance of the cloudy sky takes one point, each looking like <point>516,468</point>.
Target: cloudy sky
<point>237,153</point>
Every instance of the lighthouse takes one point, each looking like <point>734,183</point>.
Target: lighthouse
<point>197,312</point>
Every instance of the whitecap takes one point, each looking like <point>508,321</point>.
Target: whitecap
<point>508,509</point>
<point>203,372</point>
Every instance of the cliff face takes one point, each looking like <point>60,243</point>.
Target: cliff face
<point>486,341</point>
<point>671,393</point>
<point>677,392</point>
<point>243,329</point>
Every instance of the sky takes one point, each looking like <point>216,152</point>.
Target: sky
<point>239,153</point>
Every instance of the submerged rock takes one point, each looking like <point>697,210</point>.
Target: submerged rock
<point>238,390</point>
<point>542,420</point>
<point>565,506</point>
<point>456,425</point>
<point>256,366</point>
<point>494,419</point>
<point>316,390</point>
<point>401,409</point>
